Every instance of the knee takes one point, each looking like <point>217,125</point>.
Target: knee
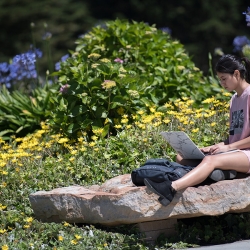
<point>209,160</point>
<point>178,158</point>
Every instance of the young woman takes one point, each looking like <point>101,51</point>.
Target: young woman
<point>234,75</point>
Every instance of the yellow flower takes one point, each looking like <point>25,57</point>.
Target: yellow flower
<point>180,67</point>
<point>29,219</point>
<point>73,242</point>
<point>108,84</point>
<point>5,247</point>
<point>63,140</point>
<point>94,138</point>
<point>122,70</point>
<point>166,121</point>
<point>128,126</point>
<point>121,75</point>
<point>94,55</point>
<point>118,126</point>
<point>152,110</point>
<point>60,238</point>
<point>141,126</point>
<point>140,112</point>
<point>71,159</point>
<point>168,105</point>
<point>195,130</point>
<point>2,164</point>
<point>92,144</point>
<point>208,100</point>
<point>94,65</point>
<point>73,152</point>
<point>105,60</point>
<point>124,120</point>
<point>83,149</point>
<point>198,115</point>
<point>66,224</point>
<point>26,226</point>
<point>227,94</point>
<point>105,244</point>
<point>2,231</point>
<point>156,124</point>
<point>213,124</point>
<point>78,237</point>
<point>98,131</point>
<point>133,93</point>
<point>4,184</point>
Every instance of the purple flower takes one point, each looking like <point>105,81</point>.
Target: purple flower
<point>64,89</point>
<point>166,30</point>
<point>22,67</point>
<point>239,42</point>
<point>247,13</point>
<point>118,60</point>
<point>58,64</point>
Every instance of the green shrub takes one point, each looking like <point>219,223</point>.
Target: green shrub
<point>119,69</point>
<point>20,113</point>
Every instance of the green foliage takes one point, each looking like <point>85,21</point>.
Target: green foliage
<point>119,69</point>
<point>215,229</point>
<point>20,113</point>
<point>44,161</point>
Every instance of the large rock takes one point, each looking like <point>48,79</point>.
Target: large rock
<point>118,201</point>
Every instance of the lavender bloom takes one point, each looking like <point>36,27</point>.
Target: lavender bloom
<point>166,30</point>
<point>22,67</point>
<point>247,13</point>
<point>118,60</point>
<point>239,42</point>
<point>4,74</point>
<point>64,89</point>
<point>58,64</point>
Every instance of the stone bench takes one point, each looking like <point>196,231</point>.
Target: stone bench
<point>118,202</point>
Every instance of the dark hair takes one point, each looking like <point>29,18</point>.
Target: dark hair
<point>230,63</point>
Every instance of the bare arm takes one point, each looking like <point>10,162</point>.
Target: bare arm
<point>242,144</point>
<point>209,148</point>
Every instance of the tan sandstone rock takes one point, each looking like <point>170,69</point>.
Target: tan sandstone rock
<point>118,201</point>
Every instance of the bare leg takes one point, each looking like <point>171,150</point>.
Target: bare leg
<point>185,162</point>
<point>234,161</point>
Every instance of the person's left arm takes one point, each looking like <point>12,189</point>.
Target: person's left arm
<point>241,144</point>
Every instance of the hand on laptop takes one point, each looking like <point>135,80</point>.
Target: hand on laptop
<point>206,150</point>
<point>216,149</point>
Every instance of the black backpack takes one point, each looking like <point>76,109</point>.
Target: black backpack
<point>159,170</point>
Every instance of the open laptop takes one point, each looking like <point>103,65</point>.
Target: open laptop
<point>184,146</point>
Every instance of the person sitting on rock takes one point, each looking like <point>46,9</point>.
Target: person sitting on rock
<point>234,75</point>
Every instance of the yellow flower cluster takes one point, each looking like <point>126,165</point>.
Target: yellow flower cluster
<point>94,56</point>
<point>105,60</point>
<point>108,84</point>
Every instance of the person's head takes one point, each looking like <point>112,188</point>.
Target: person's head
<point>232,65</point>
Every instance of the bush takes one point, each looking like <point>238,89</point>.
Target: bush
<point>118,69</point>
<point>21,113</point>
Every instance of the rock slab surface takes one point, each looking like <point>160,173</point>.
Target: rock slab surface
<point>118,201</point>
